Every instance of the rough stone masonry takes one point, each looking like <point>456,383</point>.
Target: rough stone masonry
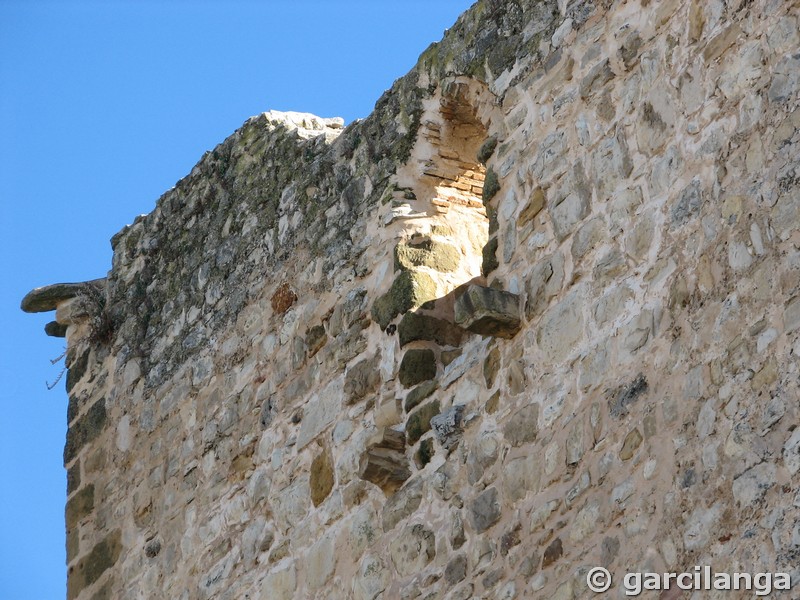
<point>539,312</point>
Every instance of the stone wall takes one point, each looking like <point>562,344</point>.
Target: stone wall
<point>539,312</point>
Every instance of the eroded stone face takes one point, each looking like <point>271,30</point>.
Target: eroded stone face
<point>488,311</point>
<point>284,402</point>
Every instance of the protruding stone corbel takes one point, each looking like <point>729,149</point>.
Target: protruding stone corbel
<point>65,299</point>
<point>384,462</point>
<point>488,311</point>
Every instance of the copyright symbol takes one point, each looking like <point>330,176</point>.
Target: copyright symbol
<point>598,579</point>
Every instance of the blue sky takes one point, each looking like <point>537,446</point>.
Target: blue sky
<point>103,107</point>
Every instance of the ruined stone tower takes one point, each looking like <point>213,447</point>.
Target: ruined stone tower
<point>538,313</point>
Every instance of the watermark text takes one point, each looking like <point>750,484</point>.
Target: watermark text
<point>700,578</point>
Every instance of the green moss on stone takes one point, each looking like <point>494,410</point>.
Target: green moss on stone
<point>418,365</point>
<point>491,185</point>
<point>490,262</point>
<point>494,225</point>
<point>419,422</point>
<point>425,453</point>
<point>439,256</point>
<point>420,393</point>
<point>79,506</point>
<point>89,569</point>
<point>414,326</point>
<point>410,289</point>
<point>486,150</point>
<point>85,429</point>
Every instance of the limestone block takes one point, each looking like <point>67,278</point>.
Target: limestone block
<point>586,521</point>
<point>561,327</point>
<point>363,529</point>
<point>523,426</point>
<point>631,443</point>
<point>609,267</point>
<point>590,235</point>
<point>575,443</point>
<point>413,549</point>
<point>569,202</point>
<point>611,305</point>
<point>410,289</point>
<point>290,505</point>
<point>388,412</point>
<point>402,504</point>
<point>315,339</point>
<point>597,77</point>
<point>320,562</point>
<point>721,42</point>
<point>372,578</point>
<point>550,160</point>
<point>447,427</point>
<point>611,163</point>
<point>488,311</point>
<point>750,487</point>
<point>544,282</point>
<point>490,262</point>
<point>456,569</point>
<point>76,368</point>
<point>420,393</point>
<point>786,214</point>
<point>256,538</point>
<point>552,553</point>
<point>701,526</point>
<point>521,475</point>
<point>280,583</point>
<point>321,477</point>
<point>456,369</point>
<point>424,453</point>
<point>577,490</point>
<point>88,427</point>
<point>484,510</point>
<point>688,204</point>
<point>491,365</point>
<point>791,314</point>
<point>55,329</point>
<point>653,128</point>
<point>532,208</point>
<point>384,462</point>
<point>74,477</point>
<point>482,454</point>
<point>89,569</point>
<point>439,256</point>
<point>419,422</point>
<point>319,412</point>
<point>640,238</point>
<point>791,452</point>
<point>593,368</point>
<point>362,379</point>
<point>417,365</point>
<point>79,506</point>
<point>415,326</point>
<point>629,51</point>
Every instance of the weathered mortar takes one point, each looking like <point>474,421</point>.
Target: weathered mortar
<point>286,408</point>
